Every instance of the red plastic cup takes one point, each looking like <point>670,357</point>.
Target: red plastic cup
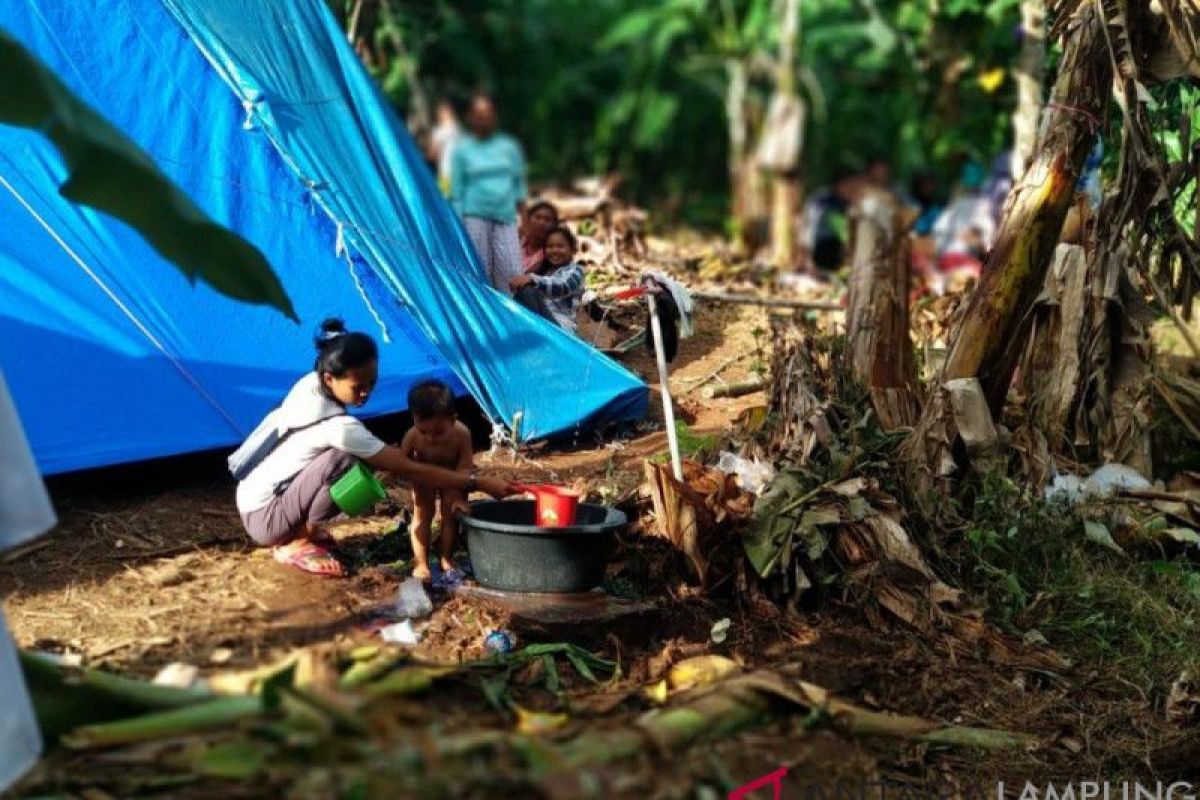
<point>556,505</point>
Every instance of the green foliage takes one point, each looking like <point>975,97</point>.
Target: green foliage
<point>691,445</point>
<point>904,82</point>
<point>1176,116</point>
<point>638,87</point>
<point>110,173</point>
<point>1045,575</point>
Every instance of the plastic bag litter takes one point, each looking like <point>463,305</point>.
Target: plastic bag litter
<point>1066,487</point>
<point>412,600</point>
<point>402,632</point>
<point>753,475</point>
<point>1113,478</point>
<point>178,675</point>
<point>1104,482</point>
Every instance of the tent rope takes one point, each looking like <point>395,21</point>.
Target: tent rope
<point>145,331</point>
<point>341,250</point>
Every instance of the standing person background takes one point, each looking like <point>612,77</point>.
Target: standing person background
<point>487,189</point>
<point>441,143</point>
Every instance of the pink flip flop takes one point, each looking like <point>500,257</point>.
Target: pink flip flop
<point>310,558</point>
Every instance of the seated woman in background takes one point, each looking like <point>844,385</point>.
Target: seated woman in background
<point>554,289</point>
<point>540,219</point>
<point>284,499</point>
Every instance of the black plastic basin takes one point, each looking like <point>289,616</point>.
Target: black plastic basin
<point>509,552</point>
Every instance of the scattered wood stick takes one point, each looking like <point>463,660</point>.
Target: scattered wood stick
<point>757,300</point>
<point>174,551</point>
<point>18,553</point>
<point>720,368</point>
<point>738,389</point>
<point>218,512</point>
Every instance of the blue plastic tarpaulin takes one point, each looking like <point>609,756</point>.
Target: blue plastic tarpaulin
<point>261,113</point>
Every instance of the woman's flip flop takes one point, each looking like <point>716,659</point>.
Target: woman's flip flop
<point>310,558</point>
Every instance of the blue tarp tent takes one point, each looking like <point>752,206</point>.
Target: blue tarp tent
<point>260,112</point>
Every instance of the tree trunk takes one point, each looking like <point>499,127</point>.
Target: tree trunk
<point>1052,372</point>
<point>360,30</point>
<point>879,348</point>
<point>785,206</point>
<point>1029,73</point>
<point>785,199</point>
<point>1086,370</point>
<point>737,83</point>
<point>991,336</point>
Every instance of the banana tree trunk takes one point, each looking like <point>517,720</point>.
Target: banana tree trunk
<point>991,333</point>
<point>1029,72</point>
<point>990,338</point>
<point>785,200</point>
<point>879,348</point>
<point>737,84</point>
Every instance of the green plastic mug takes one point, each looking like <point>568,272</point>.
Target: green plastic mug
<point>357,491</point>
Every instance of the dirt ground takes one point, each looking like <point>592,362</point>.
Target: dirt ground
<point>134,581</point>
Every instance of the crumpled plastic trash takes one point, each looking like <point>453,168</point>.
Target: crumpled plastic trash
<point>753,475</point>
<point>1104,482</point>
<point>1112,478</point>
<point>412,600</point>
<point>402,632</point>
<point>178,675</point>
<point>1065,486</point>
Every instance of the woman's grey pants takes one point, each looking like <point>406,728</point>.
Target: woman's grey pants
<point>305,500</point>
<point>499,250</point>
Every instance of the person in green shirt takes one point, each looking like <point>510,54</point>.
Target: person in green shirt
<point>487,189</point>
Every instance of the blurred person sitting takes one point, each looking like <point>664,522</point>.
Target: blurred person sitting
<point>826,226</point>
<point>965,231</point>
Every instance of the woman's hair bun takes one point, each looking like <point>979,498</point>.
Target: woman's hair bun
<point>329,329</point>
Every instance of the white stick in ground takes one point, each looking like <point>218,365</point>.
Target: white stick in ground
<point>664,385</point>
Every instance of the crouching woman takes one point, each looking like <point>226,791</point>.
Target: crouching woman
<point>284,499</point>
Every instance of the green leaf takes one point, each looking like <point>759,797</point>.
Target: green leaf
<point>1098,533</point>
<point>1183,535</point>
<point>550,674</point>
<point>495,690</point>
<point>111,174</point>
<point>223,712</point>
<point>631,29</point>
<point>275,685</point>
<point>232,760</point>
<point>655,120</point>
<point>667,35</point>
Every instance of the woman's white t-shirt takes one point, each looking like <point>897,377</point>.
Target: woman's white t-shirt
<point>304,404</point>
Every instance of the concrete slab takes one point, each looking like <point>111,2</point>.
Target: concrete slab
<point>591,614</point>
